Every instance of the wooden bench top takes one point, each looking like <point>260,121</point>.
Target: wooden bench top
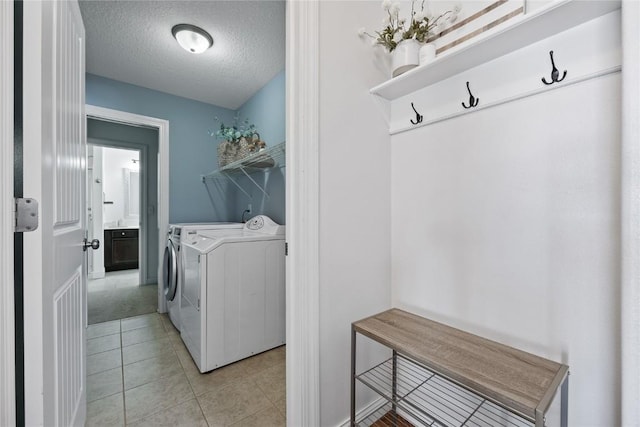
<point>518,380</point>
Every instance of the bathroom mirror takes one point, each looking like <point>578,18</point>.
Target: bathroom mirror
<point>131,194</point>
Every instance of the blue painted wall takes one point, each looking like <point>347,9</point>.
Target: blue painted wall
<point>267,109</point>
<point>192,152</point>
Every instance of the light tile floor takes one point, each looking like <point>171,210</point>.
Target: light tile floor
<point>139,373</point>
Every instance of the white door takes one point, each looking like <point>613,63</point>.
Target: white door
<point>54,174</point>
<point>7,342</point>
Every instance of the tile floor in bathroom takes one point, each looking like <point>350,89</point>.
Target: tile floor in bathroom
<point>121,279</point>
<point>118,295</point>
<point>139,373</point>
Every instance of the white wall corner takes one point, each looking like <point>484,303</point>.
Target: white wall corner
<point>355,194</point>
<point>630,294</point>
<point>7,342</point>
<point>302,193</point>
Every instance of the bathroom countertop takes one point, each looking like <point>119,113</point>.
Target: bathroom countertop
<point>121,227</point>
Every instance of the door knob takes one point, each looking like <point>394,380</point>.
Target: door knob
<point>94,244</point>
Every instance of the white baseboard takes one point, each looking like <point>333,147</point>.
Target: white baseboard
<point>96,274</point>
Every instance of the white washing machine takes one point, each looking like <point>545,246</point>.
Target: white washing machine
<point>172,266</point>
<point>233,296</point>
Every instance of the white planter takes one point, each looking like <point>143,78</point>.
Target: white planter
<point>427,53</point>
<point>405,57</point>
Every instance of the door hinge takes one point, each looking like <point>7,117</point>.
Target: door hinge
<point>25,215</point>
<point>286,248</point>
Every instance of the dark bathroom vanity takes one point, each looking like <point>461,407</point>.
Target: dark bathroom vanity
<point>120,249</point>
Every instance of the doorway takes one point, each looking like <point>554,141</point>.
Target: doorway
<point>117,287</point>
<point>122,201</point>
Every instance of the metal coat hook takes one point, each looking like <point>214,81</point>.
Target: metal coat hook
<point>473,101</point>
<point>419,116</point>
<point>554,73</point>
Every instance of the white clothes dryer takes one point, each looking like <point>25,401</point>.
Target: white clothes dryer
<point>233,297</point>
<point>172,266</point>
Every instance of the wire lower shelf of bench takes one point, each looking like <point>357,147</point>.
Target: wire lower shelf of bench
<point>432,399</point>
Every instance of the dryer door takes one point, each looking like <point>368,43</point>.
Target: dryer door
<point>170,271</point>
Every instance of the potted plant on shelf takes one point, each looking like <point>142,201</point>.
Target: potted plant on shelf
<point>404,38</point>
<point>238,141</point>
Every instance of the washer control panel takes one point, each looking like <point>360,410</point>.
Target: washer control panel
<point>255,223</point>
<point>263,224</point>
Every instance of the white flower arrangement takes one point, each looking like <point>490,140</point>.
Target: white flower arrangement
<point>419,27</point>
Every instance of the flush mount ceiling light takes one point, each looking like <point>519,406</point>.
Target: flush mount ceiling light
<point>192,39</point>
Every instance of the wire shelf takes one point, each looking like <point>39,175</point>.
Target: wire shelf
<point>262,161</point>
<point>271,157</point>
<point>431,399</point>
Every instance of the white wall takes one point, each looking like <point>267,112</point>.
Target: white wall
<point>630,214</point>
<point>114,160</point>
<point>506,223</point>
<point>95,221</point>
<point>354,196</point>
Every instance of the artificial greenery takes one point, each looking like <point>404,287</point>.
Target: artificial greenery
<point>419,27</point>
<point>235,132</point>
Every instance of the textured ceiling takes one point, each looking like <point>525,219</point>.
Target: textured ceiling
<point>131,41</point>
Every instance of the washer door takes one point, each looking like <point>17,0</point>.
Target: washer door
<point>170,271</point>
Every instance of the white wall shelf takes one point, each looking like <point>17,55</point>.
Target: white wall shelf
<point>521,32</point>
<point>262,161</point>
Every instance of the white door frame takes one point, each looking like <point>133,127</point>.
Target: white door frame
<point>302,200</point>
<point>630,253</point>
<point>7,339</point>
<point>95,222</point>
<point>162,126</point>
